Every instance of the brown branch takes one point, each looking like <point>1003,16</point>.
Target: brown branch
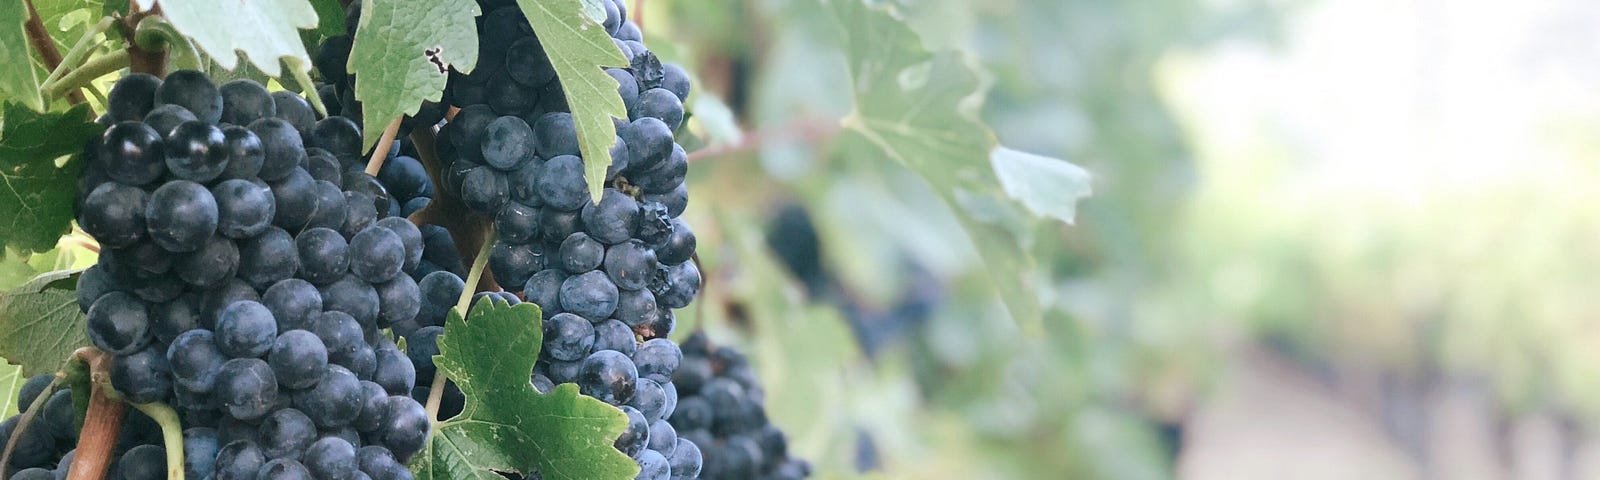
<point>638,15</point>
<point>39,37</point>
<point>469,230</point>
<point>808,130</point>
<point>100,426</point>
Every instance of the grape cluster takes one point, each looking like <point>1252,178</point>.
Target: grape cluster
<point>606,274</point>
<point>721,411</point>
<point>248,267</point>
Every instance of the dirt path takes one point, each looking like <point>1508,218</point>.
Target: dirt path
<point>1269,421</point>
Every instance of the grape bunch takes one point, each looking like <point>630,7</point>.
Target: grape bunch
<point>721,411</point>
<point>247,271</point>
<point>606,274</point>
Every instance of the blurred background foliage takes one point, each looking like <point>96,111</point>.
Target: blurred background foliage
<point>1329,239</point>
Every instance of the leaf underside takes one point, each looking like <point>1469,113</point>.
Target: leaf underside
<point>263,31</point>
<point>918,107</point>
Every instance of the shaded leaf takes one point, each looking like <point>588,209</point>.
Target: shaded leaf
<point>330,17</point>
<point>916,107</point>
<point>264,31</point>
<point>40,323</point>
<point>580,50</point>
<point>402,55</point>
<point>11,380</point>
<point>36,201</point>
<point>18,81</point>
<point>506,425</point>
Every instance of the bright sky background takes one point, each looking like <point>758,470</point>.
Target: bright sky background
<point>1408,97</point>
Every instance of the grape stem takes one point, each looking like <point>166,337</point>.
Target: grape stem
<point>380,152</point>
<point>80,50</point>
<point>171,434</point>
<point>155,34</point>
<point>302,75</point>
<point>26,420</point>
<point>94,68</point>
<point>436,392</point>
<point>39,37</point>
<point>140,59</point>
<point>435,396</point>
<point>101,425</point>
<point>478,264</point>
<point>809,131</point>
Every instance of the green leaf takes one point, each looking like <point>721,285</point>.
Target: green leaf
<point>919,108</point>
<point>594,10</point>
<point>264,31</point>
<point>40,323</point>
<point>14,271</point>
<point>581,51</point>
<point>330,17</point>
<point>36,203</point>
<point>402,55</point>
<point>18,81</point>
<point>11,379</point>
<point>1049,187</point>
<point>508,426</point>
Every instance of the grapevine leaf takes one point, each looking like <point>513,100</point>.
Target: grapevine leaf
<point>581,51</point>
<point>595,10</point>
<point>918,107</point>
<point>40,323</point>
<point>506,425</point>
<point>265,31</point>
<point>11,380</point>
<point>18,80</point>
<point>36,202</point>
<point>330,17</point>
<point>402,55</point>
<point>1047,186</point>
<point>68,20</point>
<point>15,271</point>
